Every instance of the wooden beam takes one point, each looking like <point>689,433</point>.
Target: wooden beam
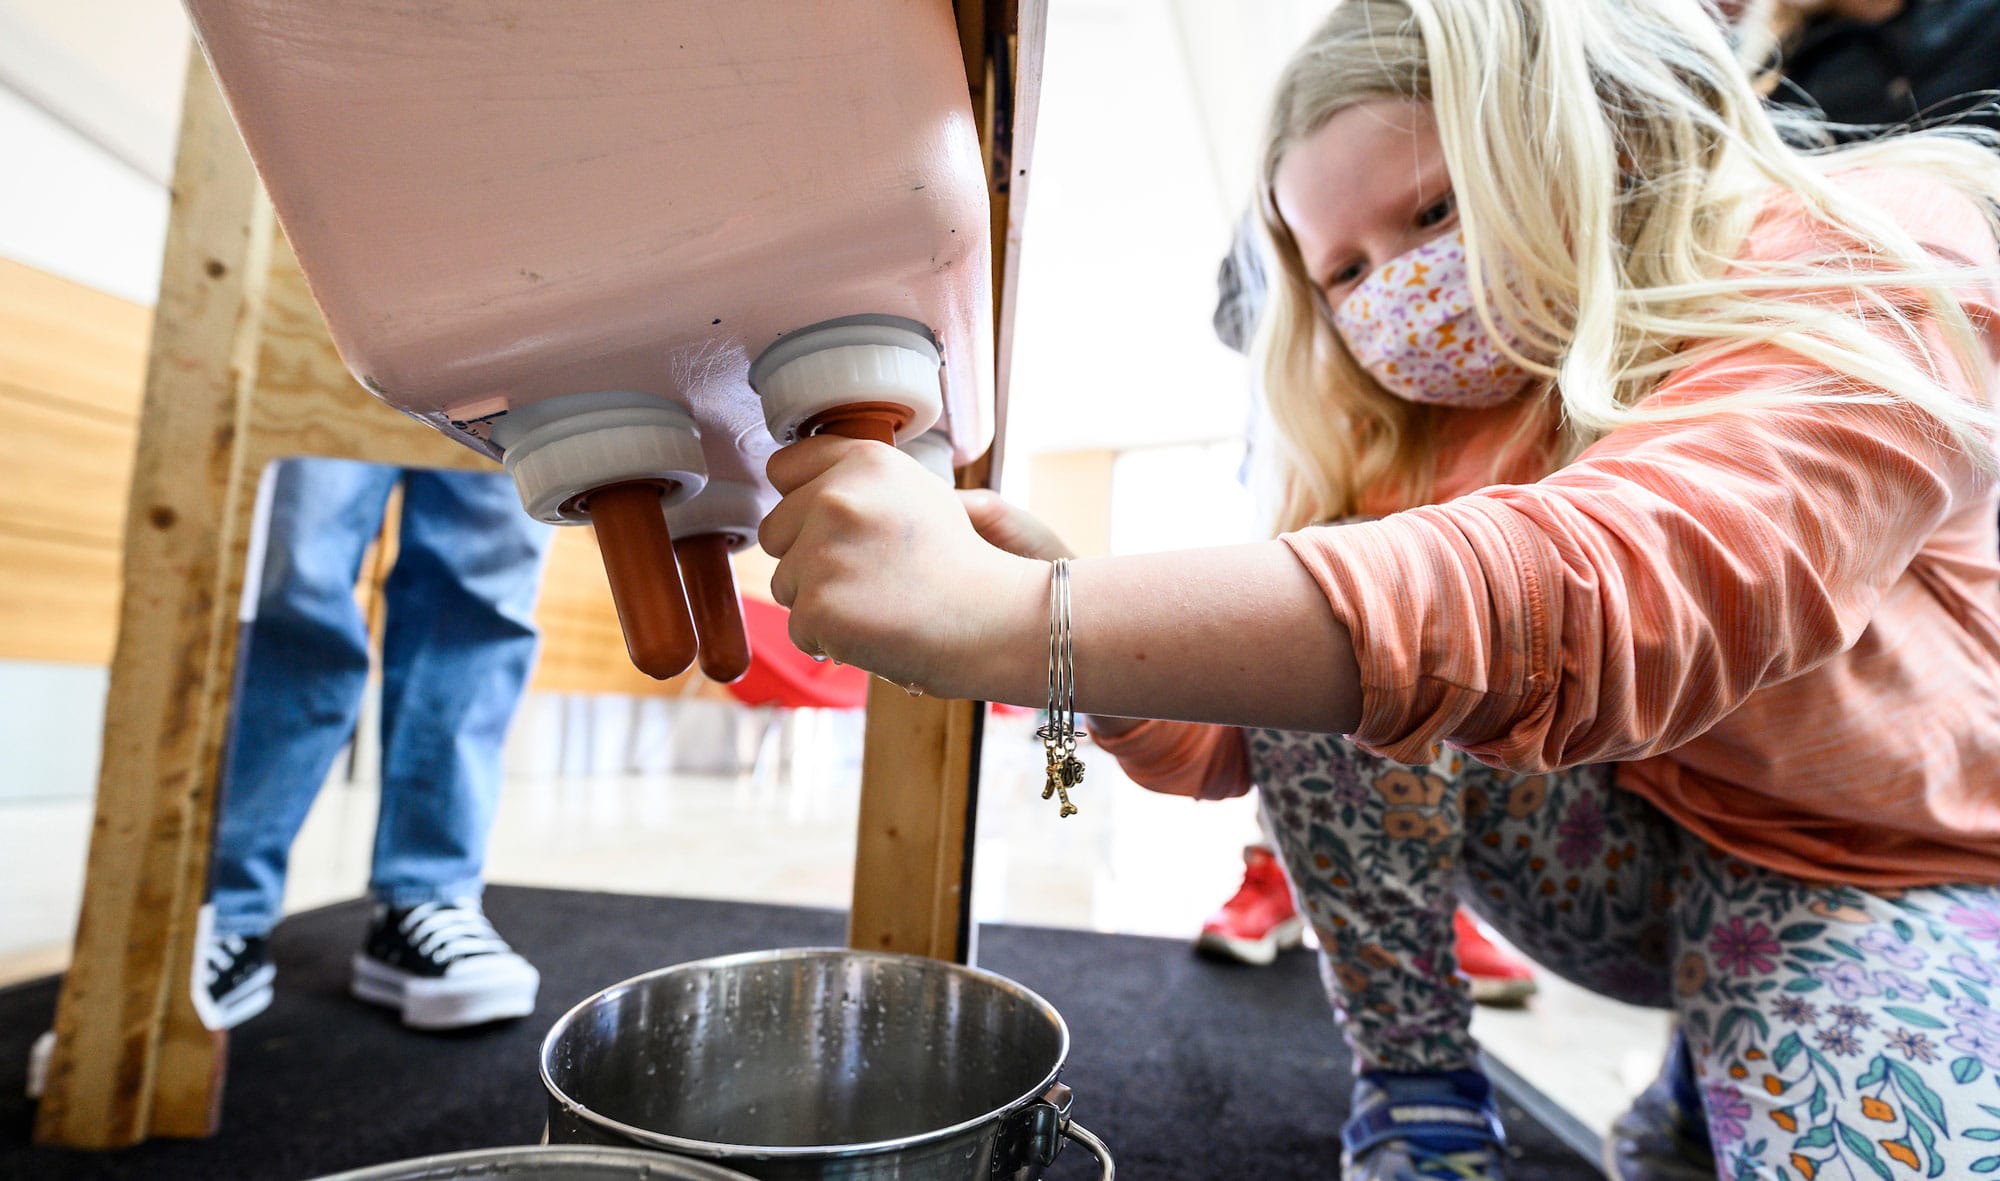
<point>151,796</point>
<point>912,863</point>
<point>920,757</point>
<point>1009,174</point>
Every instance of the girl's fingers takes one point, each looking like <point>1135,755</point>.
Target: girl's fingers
<point>784,585</point>
<point>780,527</point>
<point>793,467</point>
<point>1011,528</point>
<point>987,511</point>
<point>779,531</point>
<point>806,644</point>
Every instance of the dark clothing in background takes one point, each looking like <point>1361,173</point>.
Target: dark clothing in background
<point>1927,61</point>
<point>1239,287</point>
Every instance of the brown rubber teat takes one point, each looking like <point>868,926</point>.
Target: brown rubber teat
<point>718,610</point>
<point>860,420</point>
<point>645,582</point>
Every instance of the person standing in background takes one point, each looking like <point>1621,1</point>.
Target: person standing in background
<point>459,642</point>
<point>1872,65</point>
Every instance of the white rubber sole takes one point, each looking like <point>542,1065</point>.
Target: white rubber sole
<point>245,1001</point>
<point>474,993</point>
<point>248,999</point>
<point>1498,993</point>
<point>1259,952</point>
<point>39,1056</point>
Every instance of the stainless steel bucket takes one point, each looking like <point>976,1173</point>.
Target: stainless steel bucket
<point>545,1164</point>
<point>811,1064</point>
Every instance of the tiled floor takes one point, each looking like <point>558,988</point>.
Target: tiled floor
<point>783,831</point>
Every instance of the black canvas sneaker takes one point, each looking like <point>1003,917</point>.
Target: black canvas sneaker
<point>237,973</point>
<point>443,966</point>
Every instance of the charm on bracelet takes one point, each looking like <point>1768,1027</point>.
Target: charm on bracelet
<point>1059,735</point>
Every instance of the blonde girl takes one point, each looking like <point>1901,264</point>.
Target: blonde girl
<point>1674,644</point>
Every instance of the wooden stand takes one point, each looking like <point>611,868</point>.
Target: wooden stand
<point>241,373</point>
<point>920,758</point>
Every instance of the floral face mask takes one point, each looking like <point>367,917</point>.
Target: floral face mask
<point>1412,326</point>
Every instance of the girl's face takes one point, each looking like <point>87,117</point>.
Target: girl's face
<point>1366,187</point>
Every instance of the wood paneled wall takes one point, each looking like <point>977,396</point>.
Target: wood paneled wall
<point>72,363</point>
<point>72,366</point>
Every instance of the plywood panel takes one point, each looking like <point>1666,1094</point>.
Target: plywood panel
<point>72,341</point>
<point>59,599</point>
<point>72,364</point>
<point>66,469</point>
<point>308,404</point>
<point>583,650</point>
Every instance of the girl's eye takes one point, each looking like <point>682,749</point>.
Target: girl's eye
<point>1438,212</point>
<point>1346,275</point>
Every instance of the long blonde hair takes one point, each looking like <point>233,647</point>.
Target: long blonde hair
<point>1608,157</point>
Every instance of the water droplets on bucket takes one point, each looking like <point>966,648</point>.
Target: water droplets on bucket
<point>795,1065</point>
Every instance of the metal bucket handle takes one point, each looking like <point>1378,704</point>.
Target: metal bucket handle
<point>1093,1145</point>
<point>1050,1124</point>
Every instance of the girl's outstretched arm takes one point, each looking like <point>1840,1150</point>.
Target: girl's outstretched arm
<point>882,569</point>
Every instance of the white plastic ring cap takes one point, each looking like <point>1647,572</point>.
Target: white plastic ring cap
<point>842,362</point>
<point>728,507</point>
<point>571,454</point>
<point>933,450</point>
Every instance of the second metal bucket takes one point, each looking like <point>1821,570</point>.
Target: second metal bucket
<point>818,1064</point>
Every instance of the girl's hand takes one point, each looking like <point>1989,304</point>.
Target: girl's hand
<point>882,568</point>
<point>1012,529</point>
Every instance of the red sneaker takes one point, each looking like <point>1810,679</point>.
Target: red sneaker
<point>1260,920</point>
<point>1498,978</point>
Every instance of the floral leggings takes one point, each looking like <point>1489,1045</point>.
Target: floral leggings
<point>1837,1032</point>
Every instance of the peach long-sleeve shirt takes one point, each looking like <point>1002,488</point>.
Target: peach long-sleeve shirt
<point>1783,623</point>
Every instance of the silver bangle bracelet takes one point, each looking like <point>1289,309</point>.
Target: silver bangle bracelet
<point>1059,735</point>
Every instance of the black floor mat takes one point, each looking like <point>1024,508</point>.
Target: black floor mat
<point>1190,1071</point>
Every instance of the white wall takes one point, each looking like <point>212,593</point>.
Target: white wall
<point>1151,124</point>
<point>50,719</point>
<point>69,208</point>
<point>110,69</point>
<point>1180,497</point>
<point>89,108</point>
<point>89,111</point>
<point>1125,225</point>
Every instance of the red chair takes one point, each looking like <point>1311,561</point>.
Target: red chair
<point>783,676</point>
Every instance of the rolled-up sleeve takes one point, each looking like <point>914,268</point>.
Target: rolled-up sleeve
<point>1630,601</point>
<point>1193,759</point>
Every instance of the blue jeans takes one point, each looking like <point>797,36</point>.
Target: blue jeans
<point>459,642</point>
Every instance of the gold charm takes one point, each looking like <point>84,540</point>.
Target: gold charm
<point>1055,773</point>
<point>1068,774</point>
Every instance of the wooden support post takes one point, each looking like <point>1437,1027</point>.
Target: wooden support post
<point>242,372</point>
<point>912,860</point>
<point>303,402</point>
<point>132,943</point>
<point>920,757</point>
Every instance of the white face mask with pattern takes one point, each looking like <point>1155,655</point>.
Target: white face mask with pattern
<point>1412,326</point>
